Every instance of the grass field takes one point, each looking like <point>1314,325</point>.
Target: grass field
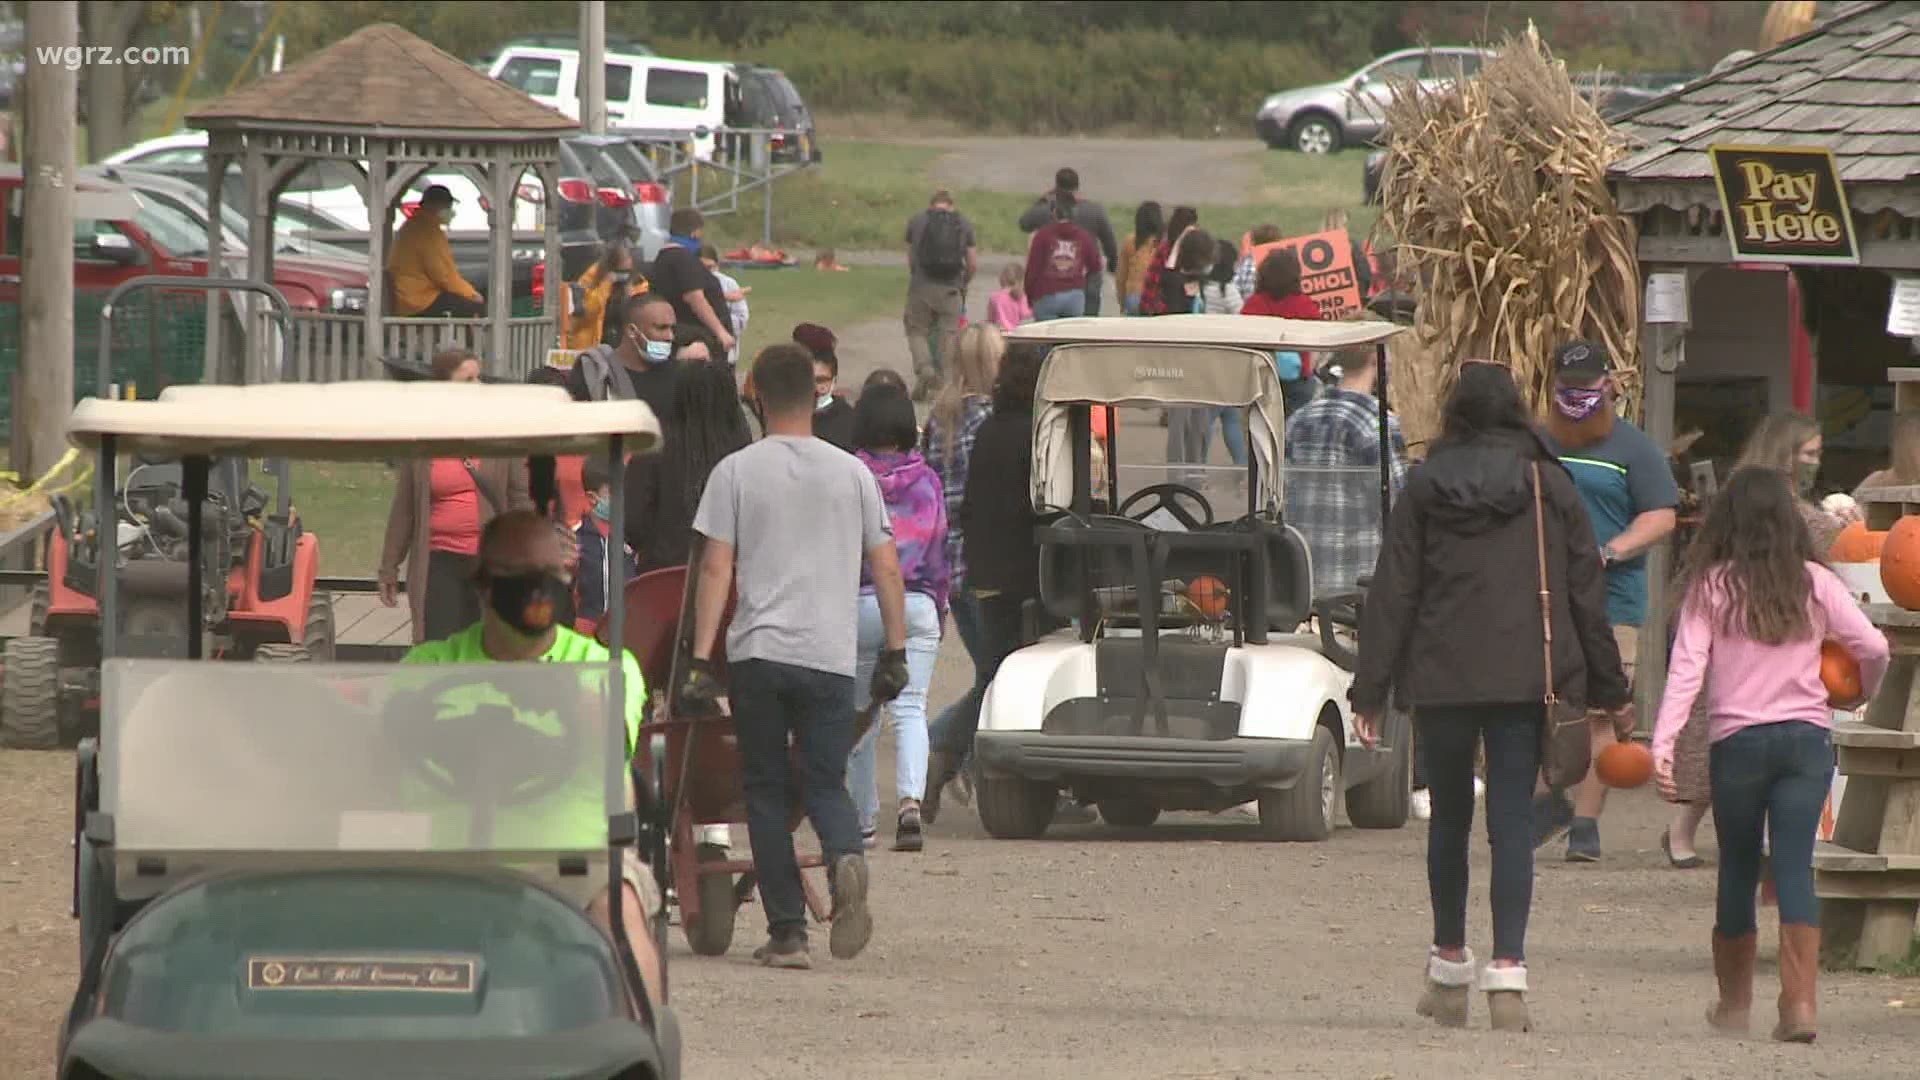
<point>861,196</point>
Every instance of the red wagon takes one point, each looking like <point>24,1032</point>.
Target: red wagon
<point>702,765</point>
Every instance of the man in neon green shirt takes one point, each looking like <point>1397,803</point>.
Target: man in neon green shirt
<point>522,579</point>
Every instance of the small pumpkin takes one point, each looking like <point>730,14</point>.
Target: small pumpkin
<point>1900,563</point>
<point>1857,544</point>
<point>1840,673</point>
<point>1624,765</point>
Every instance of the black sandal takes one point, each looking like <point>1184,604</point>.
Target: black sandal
<point>1691,862</point>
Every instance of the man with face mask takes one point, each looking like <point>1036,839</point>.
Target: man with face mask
<point>1630,495</point>
<point>420,267</point>
<point>523,584</point>
<point>643,366</point>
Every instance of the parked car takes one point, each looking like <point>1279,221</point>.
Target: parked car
<point>559,40</point>
<point>644,93</point>
<point>1321,119</point>
<point>334,187</point>
<point>293,227</point>
<point>768,99</point>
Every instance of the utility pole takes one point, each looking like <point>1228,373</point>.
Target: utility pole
<point>43,393</point>
<point>593,66</point>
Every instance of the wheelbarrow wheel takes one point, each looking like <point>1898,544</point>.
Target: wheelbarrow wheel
<point>711,932</point>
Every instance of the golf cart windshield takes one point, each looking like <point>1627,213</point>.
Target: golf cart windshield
<point>301,759</point>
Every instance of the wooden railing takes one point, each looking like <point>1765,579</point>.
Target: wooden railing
<point>333,348</point>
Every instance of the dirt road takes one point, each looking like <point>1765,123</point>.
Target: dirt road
<point>1219,171</point>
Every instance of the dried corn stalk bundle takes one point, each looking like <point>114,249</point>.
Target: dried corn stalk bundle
<point>1495,196</point>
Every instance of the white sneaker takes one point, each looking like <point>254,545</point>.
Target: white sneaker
<point>1421,807</point>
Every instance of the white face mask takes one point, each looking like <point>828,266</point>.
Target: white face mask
<point>823,401</point>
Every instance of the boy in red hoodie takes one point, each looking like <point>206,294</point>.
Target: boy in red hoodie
<point>1060,259</point>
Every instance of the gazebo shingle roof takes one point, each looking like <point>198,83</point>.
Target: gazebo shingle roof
<point>1852,85</point>
<point>381,76</point>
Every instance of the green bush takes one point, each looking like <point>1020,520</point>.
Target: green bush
<point>1147,80</point>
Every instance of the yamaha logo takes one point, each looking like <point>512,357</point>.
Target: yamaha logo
<point>1159,373</point>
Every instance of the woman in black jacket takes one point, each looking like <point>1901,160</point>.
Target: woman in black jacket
<point>1452,627</point>
<point>704,424</point>
<point>1003,560</point>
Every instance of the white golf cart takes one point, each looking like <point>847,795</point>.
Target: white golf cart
<point>1201,672</point>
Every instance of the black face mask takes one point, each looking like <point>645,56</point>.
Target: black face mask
<point>526,602</point>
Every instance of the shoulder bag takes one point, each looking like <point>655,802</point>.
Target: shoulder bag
<point>1566,748</point>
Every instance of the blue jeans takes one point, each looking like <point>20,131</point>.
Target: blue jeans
<point>999,635</point>
<point>966,622</point>
<point>1769,783</point>
<point>1512,737</point>
<point>1131,305</point>
<point>908,711</point>
<point>1061,305</point>
<point>770,702</point>
<point>1233,431</point>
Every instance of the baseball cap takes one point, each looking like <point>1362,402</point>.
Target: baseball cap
<point>1580,361</point>
<point>816,339</point>
<point>436,195</point>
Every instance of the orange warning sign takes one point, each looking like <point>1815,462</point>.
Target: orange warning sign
<point>1326,269</point>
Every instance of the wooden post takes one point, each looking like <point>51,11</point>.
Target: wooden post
<point>1663,351</point>
<point>593,66</point>
<point>45,392</point>
<point>500,258</point>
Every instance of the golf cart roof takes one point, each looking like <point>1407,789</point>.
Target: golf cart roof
<point>1234,331</point>
<point>362,421</point>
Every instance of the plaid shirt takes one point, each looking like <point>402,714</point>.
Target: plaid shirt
<point>953,472</point>
<point>1339,511</point>
<point>1245,275</point>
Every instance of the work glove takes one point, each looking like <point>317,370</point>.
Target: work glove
<point>700,689</point>
<point>889,676</point>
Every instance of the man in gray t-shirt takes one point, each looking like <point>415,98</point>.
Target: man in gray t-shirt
<point>786,522</point>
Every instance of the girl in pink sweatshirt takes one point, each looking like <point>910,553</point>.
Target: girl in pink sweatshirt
<point>1757,605</point>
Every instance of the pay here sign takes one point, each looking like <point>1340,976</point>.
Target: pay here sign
<point>1784,205</point>
<point>1326,269</point>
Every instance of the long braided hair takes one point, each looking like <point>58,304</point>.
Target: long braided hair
<point>705,424</point>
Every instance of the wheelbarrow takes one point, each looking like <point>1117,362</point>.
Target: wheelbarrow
<point>703,779</point>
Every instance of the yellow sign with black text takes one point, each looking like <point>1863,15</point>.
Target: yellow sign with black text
<point>1784,205</point>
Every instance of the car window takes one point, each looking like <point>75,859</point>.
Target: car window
<point>172,228</point>
<point>677,88</point>
<point>535,75</point>
<point>1401,67</point>
<point>757,98</point>
<point>632,162</point>
<point>1450,65</point>
<point>178,155</point>
<point>176,211</point>
<point>788,95</point>
<point>619,83</point>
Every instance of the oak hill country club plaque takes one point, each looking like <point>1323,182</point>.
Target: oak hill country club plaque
<point>1784,205</point>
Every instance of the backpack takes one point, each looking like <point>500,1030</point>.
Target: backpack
<point>605,376</point>
<point>941,251</point>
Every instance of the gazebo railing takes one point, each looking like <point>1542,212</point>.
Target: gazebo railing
<point>328,347</point>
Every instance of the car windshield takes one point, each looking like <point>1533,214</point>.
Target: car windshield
<point>366,757</point>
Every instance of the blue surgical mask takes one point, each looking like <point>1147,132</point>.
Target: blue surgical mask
<point>603,509</point>
<point>659,352</point>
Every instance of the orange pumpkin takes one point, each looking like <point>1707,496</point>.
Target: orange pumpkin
<point>1900,563</point>
<point>1857,544</point>
<point>1624,765</point>
<point>1209,595</point>
<point>1840,674</point>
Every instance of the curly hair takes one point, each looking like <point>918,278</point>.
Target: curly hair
<point>1019,377</point>
<point>1749,560</point>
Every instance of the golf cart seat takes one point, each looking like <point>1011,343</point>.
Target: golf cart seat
<point>1118,560</point>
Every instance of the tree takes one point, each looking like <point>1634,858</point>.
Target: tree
<point>105,88</point>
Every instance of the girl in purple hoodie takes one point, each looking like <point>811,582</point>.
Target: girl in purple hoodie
<point>884,436</point>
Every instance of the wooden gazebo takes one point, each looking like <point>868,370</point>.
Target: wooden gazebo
<point>394,107</point>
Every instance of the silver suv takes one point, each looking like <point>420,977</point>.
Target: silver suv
<point>1322,119</point>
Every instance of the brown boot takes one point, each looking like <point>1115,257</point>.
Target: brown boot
<point>1799,975</point>
<point>940,769</point>
<point>1733,969</point>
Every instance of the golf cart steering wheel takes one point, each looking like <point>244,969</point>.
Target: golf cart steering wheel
<point>1169,496</point>
<point>488,758</point>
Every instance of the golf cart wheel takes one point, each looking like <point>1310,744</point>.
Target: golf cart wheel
<point>1385,801</point>
<point>1315,133</point>
<point>1304,812</point>
<point>320,633</point>
<point>1128,813</point>
<point>711,932</point>
<point>30,698</point>
<point>1015,809</point>
<point>282,654</point>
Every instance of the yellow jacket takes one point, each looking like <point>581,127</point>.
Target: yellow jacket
<point>421,267</point>
<point>1132,272</point>
<point>587,323</point>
